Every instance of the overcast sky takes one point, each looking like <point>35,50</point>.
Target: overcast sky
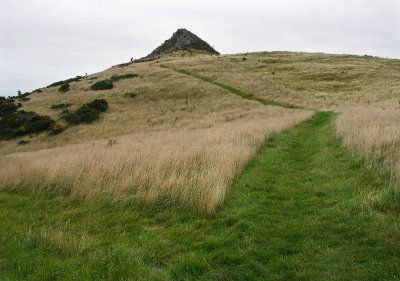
<point>42,41</point>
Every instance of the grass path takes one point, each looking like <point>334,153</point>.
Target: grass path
<point>298,212</point>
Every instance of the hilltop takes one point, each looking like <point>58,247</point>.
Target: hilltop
<point>181,40</point>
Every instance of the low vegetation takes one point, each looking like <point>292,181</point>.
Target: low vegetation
<point>7,106</point>
<point>23,97</point>
<point>60,106</point>
<point>56,128</point>
<point>88,112</point>
<point>23,142</point>
<point>15,123</point>
<point>130,95</point>
<point>23,123</point>
<point>63,82</point>
<point>64,88</point>
<point>117,77</point>
<point>102,85</point>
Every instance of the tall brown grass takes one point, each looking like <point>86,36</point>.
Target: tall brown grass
<point>189,167</point>
<point>374,132</point>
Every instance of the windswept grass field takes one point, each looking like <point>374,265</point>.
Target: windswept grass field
<point>189,167</point>
<point>297,212</point>
<point>259,166</point>
<point>375,133</point>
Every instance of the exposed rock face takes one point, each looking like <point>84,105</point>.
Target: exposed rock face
<point>183,40</point>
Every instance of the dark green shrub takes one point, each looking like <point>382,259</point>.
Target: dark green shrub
<point>64,88</point>
<point>23,97</point>
<point>15,123</point>
<point>83,115</point>
<point>7,106</point>
<point>39,124</point>
<point>59,83</point>
<point>117,77</point>
<point>102,85</point>
<point>60,106</point>
<point>21,123</point>
<point>88,112</point>
<point>98,104</point>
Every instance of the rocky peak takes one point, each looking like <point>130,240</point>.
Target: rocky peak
<point>183,40</point>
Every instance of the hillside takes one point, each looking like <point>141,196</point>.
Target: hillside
<point>185,165</point>
<point>318,81</point>
<point>149,113</point>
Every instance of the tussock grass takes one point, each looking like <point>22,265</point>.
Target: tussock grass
<point>374,133</point>
<point>60,240</point>
<point>189,167</point>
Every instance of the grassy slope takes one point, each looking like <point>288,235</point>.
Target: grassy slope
<point>294,214</point>
<point>233,90</point>
<point>312,80</point>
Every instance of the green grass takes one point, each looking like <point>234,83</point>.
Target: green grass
<point>233,90</point>
<point>299,211</point>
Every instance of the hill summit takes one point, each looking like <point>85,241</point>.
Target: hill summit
<point>181,40</point>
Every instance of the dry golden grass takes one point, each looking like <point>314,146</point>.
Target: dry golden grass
<point>179,139</point>
<point>374,132</point>
<point>190,167</point>
<point>317,81</point>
